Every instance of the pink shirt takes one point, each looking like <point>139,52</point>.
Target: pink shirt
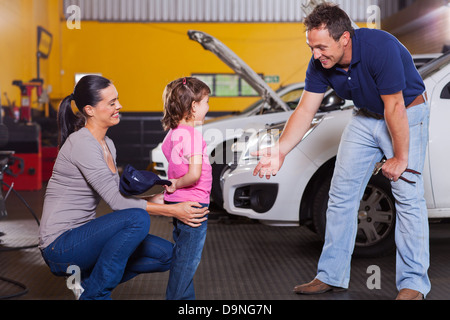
<point>178,146</point>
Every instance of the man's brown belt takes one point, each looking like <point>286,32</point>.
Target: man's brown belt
<point>418,100</point>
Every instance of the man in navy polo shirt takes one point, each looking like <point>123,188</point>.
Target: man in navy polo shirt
<point>372,68</point>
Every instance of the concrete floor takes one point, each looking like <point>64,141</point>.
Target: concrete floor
<point>242,260</point>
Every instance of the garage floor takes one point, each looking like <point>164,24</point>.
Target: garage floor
<point>242,260</point>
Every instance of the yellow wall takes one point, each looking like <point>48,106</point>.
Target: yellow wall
<point>19,20</point>
<point>142,58</point>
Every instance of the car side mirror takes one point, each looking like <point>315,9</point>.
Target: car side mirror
<point>332,102</point>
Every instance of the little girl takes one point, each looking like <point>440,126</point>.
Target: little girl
<point>185,106</point>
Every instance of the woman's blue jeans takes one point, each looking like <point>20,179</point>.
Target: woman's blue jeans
<point>187,254</point>
<point>109,250</point>
<point>364,142</point>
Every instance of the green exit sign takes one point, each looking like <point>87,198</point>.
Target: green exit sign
<point>272,79</point>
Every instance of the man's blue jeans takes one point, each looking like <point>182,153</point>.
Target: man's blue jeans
<point>109,250</point>
<point>363,143</point>
<point>187,254</point>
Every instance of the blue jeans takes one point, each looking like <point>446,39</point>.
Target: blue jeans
<point>109,250</point>
<point>187,253</point>
<point>363,143</point>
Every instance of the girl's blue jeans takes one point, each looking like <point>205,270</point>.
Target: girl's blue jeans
<point>364,142</point>
<point>109,250</point>
<point>187,253</point>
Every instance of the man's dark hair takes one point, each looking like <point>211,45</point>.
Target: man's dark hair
<point>331,17</point>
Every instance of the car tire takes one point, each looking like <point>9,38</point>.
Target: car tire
<point>376,217</point>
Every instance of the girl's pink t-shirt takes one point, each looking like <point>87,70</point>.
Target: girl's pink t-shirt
<point>178,146</point>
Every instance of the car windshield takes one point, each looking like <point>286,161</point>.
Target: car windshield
<point>291,98</point>
<point>434,65</point>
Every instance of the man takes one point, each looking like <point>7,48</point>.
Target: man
<point>372,68</point>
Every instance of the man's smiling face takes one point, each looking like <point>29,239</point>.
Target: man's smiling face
<point>327,50</point>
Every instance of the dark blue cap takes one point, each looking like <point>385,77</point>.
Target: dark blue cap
<point>134,182</point>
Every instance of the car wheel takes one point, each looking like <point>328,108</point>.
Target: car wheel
<point>376,217</point>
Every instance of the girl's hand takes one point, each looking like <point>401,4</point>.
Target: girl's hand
<point>173,187</point>
<point>191,213</point>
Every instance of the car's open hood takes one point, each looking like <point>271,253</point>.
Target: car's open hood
<point>239,67</point>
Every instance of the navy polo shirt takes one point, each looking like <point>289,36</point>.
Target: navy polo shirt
<point>380,65</point>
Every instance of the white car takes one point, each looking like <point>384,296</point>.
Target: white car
<point>274,107</point>
<point>298,194</point>
<point>220,133</point>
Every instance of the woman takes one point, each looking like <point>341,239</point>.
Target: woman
<point>115,247</point>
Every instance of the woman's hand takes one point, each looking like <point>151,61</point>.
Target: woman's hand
<point>190,213</point>
<point>157,198</point>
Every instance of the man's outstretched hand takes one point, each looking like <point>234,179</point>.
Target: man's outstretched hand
<point>270,162</point>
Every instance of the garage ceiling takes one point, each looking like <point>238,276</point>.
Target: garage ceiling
<point>217,10</point>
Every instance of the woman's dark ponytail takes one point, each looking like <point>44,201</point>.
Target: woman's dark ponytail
<point>68,121</point>
<point>87,92</point>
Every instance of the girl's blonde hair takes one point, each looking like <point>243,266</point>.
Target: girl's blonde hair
<point>178,97</point>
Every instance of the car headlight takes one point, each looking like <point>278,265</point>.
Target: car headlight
<point>266,138</point>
